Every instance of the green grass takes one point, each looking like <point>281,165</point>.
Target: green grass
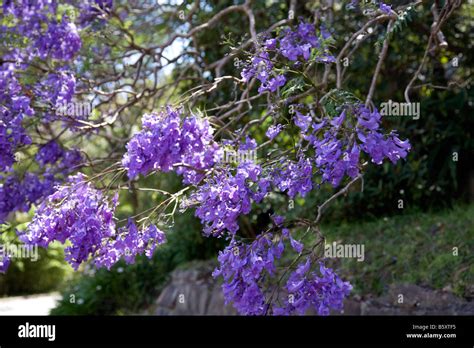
<point>412,248</point>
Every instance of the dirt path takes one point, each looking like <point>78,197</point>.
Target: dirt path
<point>28,305</point>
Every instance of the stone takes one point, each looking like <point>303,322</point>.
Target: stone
<point>201,293</point>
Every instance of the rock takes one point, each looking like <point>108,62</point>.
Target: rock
<point>469,293</point>
<point>192,291</point>
<point>168,296</point>
<point>217,304</point>
<point>417,301</point>
<point>351,307</point>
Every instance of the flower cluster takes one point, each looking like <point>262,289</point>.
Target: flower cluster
<point>82,215</point>
<point>60,160</point>
<point>13,109</point>
<point>49,153</point>
<point>300,42</point>
<point>293,45</point>
<point>293,177</point>
<point>373,142</point>
<point>243,267</point>
<point>18,193</point>
<point>307,290</point>
<point>37,30</point>
<point>60,41</point>
<point>129,242</point>
<point>335,154</point>
<point>78,213</point>
<point>387,9</point>
<point>91,10</point>
<point>246,268</point>
<point>47,38</point>
<point>228,195</point>
<point>261,67</point>
<point>56,89</point>
<point>338,142</point>
<point>273,131</point>
<point>168,143</point>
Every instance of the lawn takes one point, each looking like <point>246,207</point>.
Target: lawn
<point>427,249</point>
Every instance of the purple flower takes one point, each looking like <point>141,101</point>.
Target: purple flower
<point>337,154</point>
<point>129,242</point>
<point>168,143</point>
<point>248,144</point>
<point>368,119</point>
<point>270,44</point>
<point>293,177</point>
<point>261,67</point>
<point>295,44</point>
<point>71,160</point>
<point>60,41</point>
<point>292,45</point>
<point>152,233</point>
<point>297,246</point>
<point>228,195</point>
<point>243,267</point>
<point>273,131</point>
<point>375,143</point>
<point>4,262</point>
<point>19,194</point>
<point>325,34</point>
<point>46,33</point>
<point>246,267</point>
<point>309,290</point>
<point>49,153</point>
<point>58,89</point>
<point>83,216</point>
<point>247,74</point>
<point>302,121</point>
<point>14,107</point>
<point>278,219</point>
<point>333,159</point>
<point>387,9</point>
<point>273,84</point>
<point>337,121</point>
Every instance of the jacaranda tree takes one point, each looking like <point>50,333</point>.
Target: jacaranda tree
<point>266,122</point>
